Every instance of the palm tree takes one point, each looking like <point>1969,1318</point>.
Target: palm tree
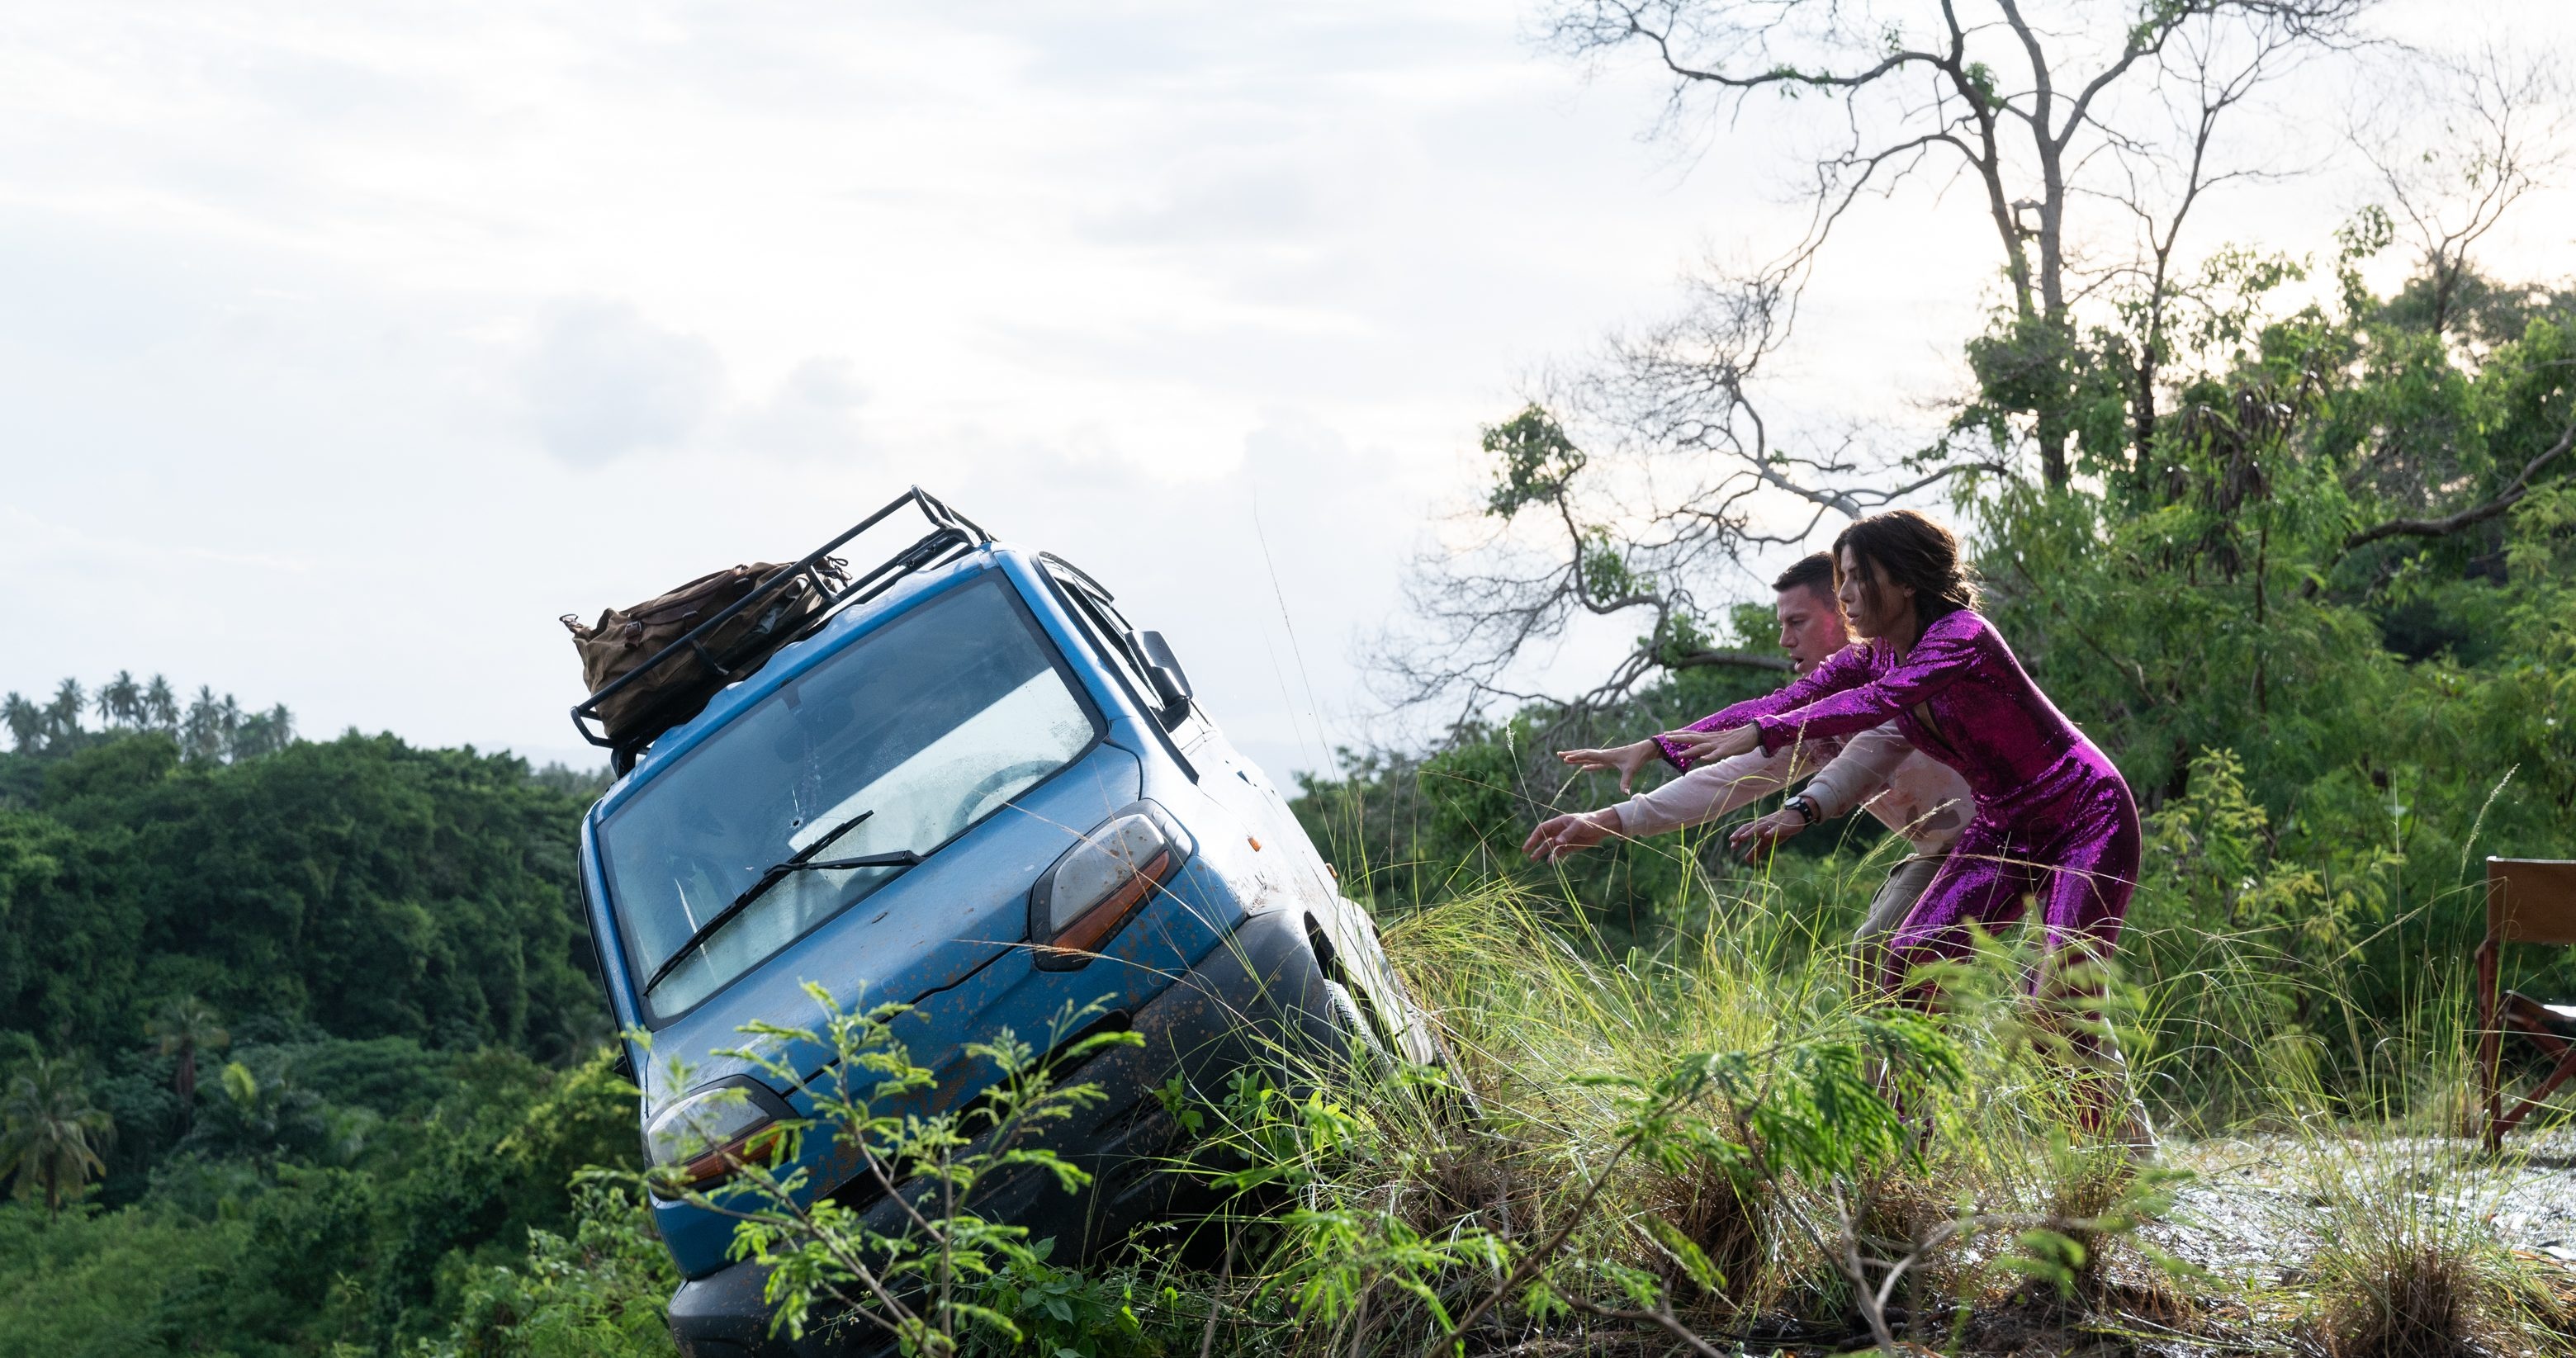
<point>62,715</point>
<point>120,700</point>
<point>264,733</point>
<point>205,737</point>
<point>50,1135</point>
<point>185,1027</point>
<point>161,706</point>
<point>26,722</point>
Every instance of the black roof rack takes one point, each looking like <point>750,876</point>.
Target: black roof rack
<point>951,535</point>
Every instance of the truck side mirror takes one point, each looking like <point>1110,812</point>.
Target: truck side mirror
<point>1171,686</point>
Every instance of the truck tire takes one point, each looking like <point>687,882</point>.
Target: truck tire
<point>1356,1024</point>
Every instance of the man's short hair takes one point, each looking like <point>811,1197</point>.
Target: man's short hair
<point>1815,571</point>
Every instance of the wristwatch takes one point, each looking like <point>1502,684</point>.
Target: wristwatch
<point>1806,808</point>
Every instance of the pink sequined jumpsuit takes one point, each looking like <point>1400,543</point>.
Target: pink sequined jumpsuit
<point>2054,818</point>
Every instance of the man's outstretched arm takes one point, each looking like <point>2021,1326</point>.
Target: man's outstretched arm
<point>1706,793</point>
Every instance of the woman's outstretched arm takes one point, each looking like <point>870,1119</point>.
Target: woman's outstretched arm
<point>1946,651</point>
<point>1841,670</point>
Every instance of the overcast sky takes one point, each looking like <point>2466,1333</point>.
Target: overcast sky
<point>343,347</point>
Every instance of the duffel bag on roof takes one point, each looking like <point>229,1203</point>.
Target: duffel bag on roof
<point>624,639</point>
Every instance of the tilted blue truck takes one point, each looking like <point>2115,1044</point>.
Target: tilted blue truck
<point>962,781</point>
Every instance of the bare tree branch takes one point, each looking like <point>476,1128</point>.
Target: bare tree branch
<point>1677,471</point>
<point>2502,134</point>
<point>2448,524</point>
<point>1655,493</point>
<point>1742,660</point>
<point>2024,109</point>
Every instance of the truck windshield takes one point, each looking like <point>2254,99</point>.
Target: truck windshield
<point>929,724</point>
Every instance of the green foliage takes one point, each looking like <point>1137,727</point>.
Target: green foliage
<point>286,1222</point>
<point>185,1028</point>
<point>1407,830</point>
<point>359,885</point>
<point>938,1275</point>
<point>1693,1143</point>
<point>595,1293</point>
<point>1536,458</point>
<point>1060,1312</point>
<point>208,728</point>
<point>2325,737</point>
<point>50,1134</point>
<point>1470,788</point>
<point>2038,366</point>
<point>312,983</point>
<point>108,1285</point>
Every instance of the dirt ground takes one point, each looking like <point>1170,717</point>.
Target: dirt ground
<point>2252,1211</point>
<point>2256,1209</point>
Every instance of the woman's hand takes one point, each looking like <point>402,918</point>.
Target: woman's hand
<point>1754,840</point>
<point>1623,760</point>
<point>1699,747</point>
<point>1561,835</point>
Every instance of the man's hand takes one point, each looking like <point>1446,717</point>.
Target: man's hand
<point>1754,840</point>
<point>1623,760</point>
<point>1699,747</point>
<point>1558,836</point>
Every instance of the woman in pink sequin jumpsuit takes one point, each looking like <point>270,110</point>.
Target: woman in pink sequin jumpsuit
<point>2054,821</point>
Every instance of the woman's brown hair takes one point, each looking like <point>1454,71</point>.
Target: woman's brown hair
<point>1910,550</point>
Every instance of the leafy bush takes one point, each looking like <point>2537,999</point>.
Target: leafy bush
<point>933,1274</point>
<point>597,1292</point>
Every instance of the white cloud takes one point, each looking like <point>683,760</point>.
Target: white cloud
<point>603,382</point>
<point>480,312</point>
<point>813,414</point>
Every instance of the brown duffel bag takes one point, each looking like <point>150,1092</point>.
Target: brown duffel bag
<point>624,638</point>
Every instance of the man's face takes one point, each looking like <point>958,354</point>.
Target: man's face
<point>1811,628</point>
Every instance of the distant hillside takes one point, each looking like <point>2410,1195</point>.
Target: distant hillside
<point>301,1043</point>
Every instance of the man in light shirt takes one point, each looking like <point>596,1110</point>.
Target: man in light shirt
<point>1918,797</point>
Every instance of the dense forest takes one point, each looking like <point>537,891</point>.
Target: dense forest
<point>300,1044</point>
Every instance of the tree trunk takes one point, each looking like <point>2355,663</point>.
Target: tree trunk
<point>2054,431</point>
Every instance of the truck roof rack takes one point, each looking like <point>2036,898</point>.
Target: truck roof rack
<point>951,535</point>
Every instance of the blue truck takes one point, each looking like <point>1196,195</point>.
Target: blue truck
<point>967,783</point>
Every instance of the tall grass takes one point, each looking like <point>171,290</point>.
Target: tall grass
<point>1706,1140</point>
<point>2001,1219</point>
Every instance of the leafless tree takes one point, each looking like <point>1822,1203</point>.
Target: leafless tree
<point>2496,123</point>
<point>2043,107</point>
<point>2163,307</point>
<point>1642,481</point>
<point>1642,484</point>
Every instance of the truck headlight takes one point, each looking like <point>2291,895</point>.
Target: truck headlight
<point>1099,882</point>
<point>716,1129</point>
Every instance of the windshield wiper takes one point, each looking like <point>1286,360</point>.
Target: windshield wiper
<point>803,860</point>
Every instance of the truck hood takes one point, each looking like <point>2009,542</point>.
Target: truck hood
<point>926,932</point>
